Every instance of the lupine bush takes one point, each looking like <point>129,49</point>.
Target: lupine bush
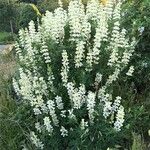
<point>70,67</point>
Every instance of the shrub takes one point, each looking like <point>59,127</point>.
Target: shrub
<point>51,5</point>
<point>27,14</point>
<point>8,15</point>
<point>5,37</point>
<point>69,76</point>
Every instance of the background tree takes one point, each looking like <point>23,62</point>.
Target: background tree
<point>8,14</point>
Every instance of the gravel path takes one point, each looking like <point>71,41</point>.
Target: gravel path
<point>6,48</point>
<point>2,47</point>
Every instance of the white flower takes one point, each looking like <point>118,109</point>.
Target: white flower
<point>37,111</point>
<point>82,92</point>
<point>44,108</point>
<point>101,94</point>
<point>126,57</point>
<point>113,77</point>
<point>117,11</point>
<point>24,148</point>
<point>43,86</point>
<point>71,115</point>
<point>63,131</point>
<point>18,49</point>
<point>141,29</point>
<point>98,78</point>
<point>48,125</point>
<point>30,55</point>
<point>53,24</point>
<point>38,101</point>
<point>76,16</point>
<point>79,55</point>
<point>76,95</point>
<point>63,113</point>
<point>36,141</point>
<point>107,97</point>
<point>113,58</point>
<point>60,3</point>
<point>144,64</point>
<point>86,29</point>
<point>16,86</point>
<point>25,86</point>
<point>51,107</point>
<point>83,124</point>
<point>59,102</point>
<point>32,30</point>
<point>130,71</point>
<point>101,35</point>
<point>89,59</point>
<point>59,22</point>
<point>116,104</point>
<point>39,85</point>
<point>119,119</point>
<point>76,99</point>
<point>38,127</point>
<point>45,52</point>
<point>92,9</point>
<point>70,89</point>
<point>107,109</point>
<point>149,132</point>
<point>90,105</point>
<point>109,8</point>
<point>65,67</point>
<point>123,41</point>
<point>21,39</point>
<point>50,80</point>
<point>114,44</point>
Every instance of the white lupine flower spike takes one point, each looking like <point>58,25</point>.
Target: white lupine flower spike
<point>119,119</point>
<point>130,71</point>
<point>65,67</point>
<point>63,131</point>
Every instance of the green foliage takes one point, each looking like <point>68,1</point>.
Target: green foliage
<point>26,15</point>
<point>16,14</point>
<point>48,5</point>
<point>28,1</point>
<point>8,12</point>
<point>138,143</point>
<point>13,114</point>
<point>5,37</point>
<point>136,19</point>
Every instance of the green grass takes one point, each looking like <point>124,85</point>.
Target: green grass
<point>6,37</point>
<point>8,127</point>
<point>13,113</point>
